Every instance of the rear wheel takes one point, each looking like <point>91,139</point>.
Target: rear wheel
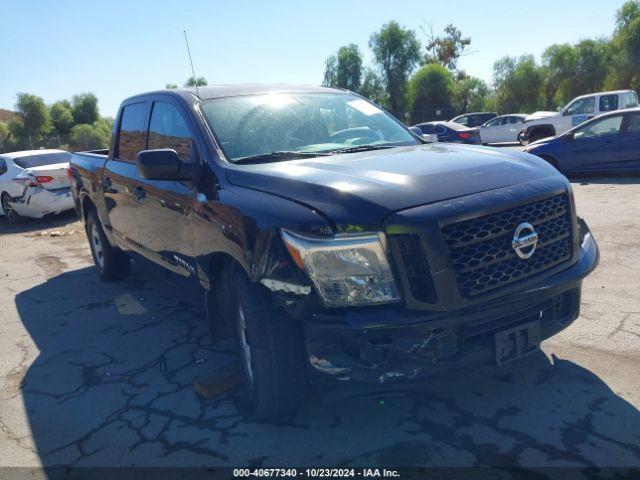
<point>521,138</point>
<point>9,212</point>
<point>550,160</point>
<point>270,347</point>
<point>111,262</point>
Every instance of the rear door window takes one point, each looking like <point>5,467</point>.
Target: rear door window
<point>608,103</point>
<point>132,129</point>
<point>633,125</point>
<point>168,129</point>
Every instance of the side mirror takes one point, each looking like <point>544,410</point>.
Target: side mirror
<point>569,136</point>
<point>164,164</point>
<point>416,130</point>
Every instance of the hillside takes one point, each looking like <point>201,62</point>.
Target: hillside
<point>6,115</point>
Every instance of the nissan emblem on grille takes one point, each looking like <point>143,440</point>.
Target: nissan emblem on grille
<point>525,240</point>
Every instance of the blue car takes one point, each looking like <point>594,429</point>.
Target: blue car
<point>608,143</point>
<point>449,132</point>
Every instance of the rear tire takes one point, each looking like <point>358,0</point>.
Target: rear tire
<point>271,351</point>
<point>551,161</point>
<point>111,262</point>
<point>9,212</point>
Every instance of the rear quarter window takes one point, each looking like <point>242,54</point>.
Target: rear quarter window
<point>41,160</point>
<point>608,103</point>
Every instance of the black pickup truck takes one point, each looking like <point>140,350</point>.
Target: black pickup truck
<point>332,242</point>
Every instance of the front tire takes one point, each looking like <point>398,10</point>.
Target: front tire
<point>111,262</point>
<point>270,347</point>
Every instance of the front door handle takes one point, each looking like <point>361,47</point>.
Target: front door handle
<point>139,193</point>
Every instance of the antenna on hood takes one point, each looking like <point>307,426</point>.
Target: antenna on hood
<point>195,79</point>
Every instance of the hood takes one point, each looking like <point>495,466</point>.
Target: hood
<point>541,114</point>
<point>361,189</point>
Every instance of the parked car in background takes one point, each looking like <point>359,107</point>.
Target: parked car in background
<point>34,183</point>
<point>474,119</point>
<point>609,143</point>
<point>540,125</point>
<point>449,132</point>
<point>502,129</point>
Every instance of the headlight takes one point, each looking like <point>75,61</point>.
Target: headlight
<point>346,271</point>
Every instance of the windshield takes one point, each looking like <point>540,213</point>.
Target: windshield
<point>306,123</point>
<point>42,159</point>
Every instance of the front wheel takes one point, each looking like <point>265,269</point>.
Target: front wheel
<point>9,212</point>
<point>270,348</point>
<point>111,262</point>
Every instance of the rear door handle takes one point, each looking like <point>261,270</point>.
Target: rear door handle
<point>139,193</point>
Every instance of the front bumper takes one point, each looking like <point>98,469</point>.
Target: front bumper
<point>388,346</point>
<point>38,202</point>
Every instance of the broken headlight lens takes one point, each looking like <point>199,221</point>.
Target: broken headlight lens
<point>346,270</point>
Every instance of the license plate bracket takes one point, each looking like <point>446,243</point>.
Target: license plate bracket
<point>517,342</point>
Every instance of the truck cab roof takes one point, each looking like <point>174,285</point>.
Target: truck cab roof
<point>210,92</point>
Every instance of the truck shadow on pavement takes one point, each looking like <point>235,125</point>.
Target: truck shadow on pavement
<point>113,385</point>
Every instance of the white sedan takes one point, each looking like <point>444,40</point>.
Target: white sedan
<point>502,129</point>
<point>34,183</point>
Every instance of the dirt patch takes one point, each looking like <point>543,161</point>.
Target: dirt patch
<point>51,265</point>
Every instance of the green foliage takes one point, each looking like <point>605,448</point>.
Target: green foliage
<point>625,48</point>
<point>396,51</point>
<point>518,84</point>
<point>448,49</point>
<point>471,94</point>
<point>192,82</point>
<point>430,93</point>
<point>171,86</point>
<point>34,116</point>
<point>62,116</point>
<point>4,136</point>
<point>85,108</point>
<point>344,69</point>
<point>94,136</point>
<point>373,88</point>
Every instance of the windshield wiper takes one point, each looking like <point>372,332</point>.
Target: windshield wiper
<point>276,156</point>
<point>361,148</point>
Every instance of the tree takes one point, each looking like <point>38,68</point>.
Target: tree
<point>446,50</point>
<point>470,94</point>
<point>559,63</point>
<point>518,84</point>
<point>62,116</point>
<point>592,64</point>
<point>85,108</point>
<point>344,69</point>
<point>397,51</point>
<point>171,86</point>
<point>373,88</point>
<point>34,116</point>
<point>192,81</point>
<point>94,136</point>
<point>4,135</point>
<point>430,93</point>
<point>625,48</point>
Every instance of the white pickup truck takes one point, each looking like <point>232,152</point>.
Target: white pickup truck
<point>548,124</point>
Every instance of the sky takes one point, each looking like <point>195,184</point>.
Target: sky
<point>115,49</point>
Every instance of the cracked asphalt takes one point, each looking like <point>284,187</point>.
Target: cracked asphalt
<point>102,374</point>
